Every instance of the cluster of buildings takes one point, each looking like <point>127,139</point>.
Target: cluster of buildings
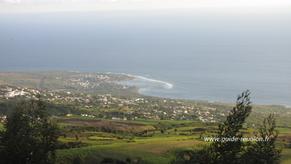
<point>7,92</point>
<point>116,108</point>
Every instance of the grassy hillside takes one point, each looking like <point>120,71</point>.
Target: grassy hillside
<point>104,122</point>
<point>142,145</point>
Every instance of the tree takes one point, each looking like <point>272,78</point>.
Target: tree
<point>235,151</point>
<point>29,135</point>
<point>264,151</point>
<point>225,151</point>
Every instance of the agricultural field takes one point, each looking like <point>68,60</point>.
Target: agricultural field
<point>1,126</point>
<point>143,141</point>
<point>102,121</point>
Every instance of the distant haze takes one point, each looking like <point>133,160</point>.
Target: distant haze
<point>205,54</point>
<point>97,5</point>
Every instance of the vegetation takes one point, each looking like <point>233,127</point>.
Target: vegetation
<point>228,145</point>
<point>266,151</point>
<point>98,127</point>
<point>228,151</point>
<point>29,136</point>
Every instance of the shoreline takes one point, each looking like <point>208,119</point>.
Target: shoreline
<point>169,86</point>
<point>166,85</point>
<point>144,86</point>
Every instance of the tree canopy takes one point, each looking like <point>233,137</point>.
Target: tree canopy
<point>29,136</point>
<point>237,151</point>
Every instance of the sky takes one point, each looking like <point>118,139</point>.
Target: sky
<point>68,5</point>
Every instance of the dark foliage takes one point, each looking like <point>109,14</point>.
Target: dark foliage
<point>264,152</point>
<point>229,152</point>
<point>236,151</point>
<point>29,135</point>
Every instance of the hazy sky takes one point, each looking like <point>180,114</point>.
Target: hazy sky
<point>64,5</point>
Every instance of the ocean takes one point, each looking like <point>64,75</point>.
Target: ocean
<point>201,55</point>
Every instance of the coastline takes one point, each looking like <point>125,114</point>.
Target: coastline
<point>164,86</point>
<point>147,86</point>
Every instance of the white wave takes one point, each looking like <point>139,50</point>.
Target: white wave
<point>166,85</point>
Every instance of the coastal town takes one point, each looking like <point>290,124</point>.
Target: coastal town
<point>102,96</point>
<point>117,108</point>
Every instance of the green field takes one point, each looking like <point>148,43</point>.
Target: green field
<point>104,121</point>
<point>1,126</point>
<point>154,147</point>
<point>88,144</point>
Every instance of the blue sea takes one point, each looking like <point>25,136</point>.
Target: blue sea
<point>209,56</point>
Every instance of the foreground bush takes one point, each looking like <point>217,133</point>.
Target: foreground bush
<point>29,135</point>
<point>237,152</point>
